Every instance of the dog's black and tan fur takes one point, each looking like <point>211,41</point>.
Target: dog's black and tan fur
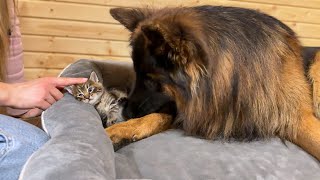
<point>311,57</point>
<point>232,73</point>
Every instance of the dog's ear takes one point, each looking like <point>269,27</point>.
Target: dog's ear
<point>167,40</point>
<point>155,34</point>
<point>129,17</point>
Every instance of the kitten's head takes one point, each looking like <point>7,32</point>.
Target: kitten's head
<point>88,92</point>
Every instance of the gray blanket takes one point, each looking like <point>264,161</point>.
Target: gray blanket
<point>79,148</point>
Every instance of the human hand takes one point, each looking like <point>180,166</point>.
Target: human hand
<point>37,95</point>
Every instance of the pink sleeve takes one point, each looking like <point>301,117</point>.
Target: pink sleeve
<point>15,69</point>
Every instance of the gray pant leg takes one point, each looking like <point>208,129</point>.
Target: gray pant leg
<point>78,149</point>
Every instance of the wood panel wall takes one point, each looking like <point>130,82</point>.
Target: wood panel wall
<point>58,32</point>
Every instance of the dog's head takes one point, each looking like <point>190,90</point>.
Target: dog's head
<point>169,56</point>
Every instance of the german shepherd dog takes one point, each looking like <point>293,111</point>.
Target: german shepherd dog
<point>231,73</point>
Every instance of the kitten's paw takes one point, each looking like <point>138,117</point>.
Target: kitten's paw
<point>111,122</point>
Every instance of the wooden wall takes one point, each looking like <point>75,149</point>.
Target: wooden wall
<point>58,32</point>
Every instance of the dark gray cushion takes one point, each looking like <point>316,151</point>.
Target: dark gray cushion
<point>172,155</point>
<point>79,149</point>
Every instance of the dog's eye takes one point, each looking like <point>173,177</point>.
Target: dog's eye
<point>122,100</point>
<point>152,85</point>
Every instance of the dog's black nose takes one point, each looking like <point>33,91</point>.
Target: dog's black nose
<point>127,112</point>
<point>123,101</point>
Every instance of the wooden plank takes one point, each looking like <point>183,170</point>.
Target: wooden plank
<point>53,68</point>
<point>70,11</point>
<point>60,61</point>
<point>132,3</point>
<point>310,42</point>
<point>34,73</point>
<point>296,3</point>
<point>305,30</point>
<point>56,60</point>
<point>75,46</point>
<point>284,13</point>
<point>59,32</point>
<point>35,26</point>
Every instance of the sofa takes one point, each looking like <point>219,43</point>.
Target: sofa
<point>80,149</point>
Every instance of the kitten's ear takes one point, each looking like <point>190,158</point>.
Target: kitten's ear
<point>94,77</point>
<point>129,17</point>
<point>69,89</point>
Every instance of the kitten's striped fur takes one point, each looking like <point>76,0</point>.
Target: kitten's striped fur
<point>108,103</point>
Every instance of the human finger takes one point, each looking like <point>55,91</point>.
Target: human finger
<point>15,112</point>
<point>56,93</point>
<point>43,105</point>
<point>62,81</point>
<point>50,99</point>
<point>32,113</point>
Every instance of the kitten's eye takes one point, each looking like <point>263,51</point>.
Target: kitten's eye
<point>90,89</point>
<point>80,95</point>
<point>113,102</point>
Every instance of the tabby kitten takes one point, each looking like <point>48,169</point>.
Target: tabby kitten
<point>108,102</point>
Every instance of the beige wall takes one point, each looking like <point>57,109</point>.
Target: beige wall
<point>58,32</point>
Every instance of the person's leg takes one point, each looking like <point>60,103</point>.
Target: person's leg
<point>18,140</point>
<point>78,147</point>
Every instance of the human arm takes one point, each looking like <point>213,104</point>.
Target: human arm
<point>34,96</point>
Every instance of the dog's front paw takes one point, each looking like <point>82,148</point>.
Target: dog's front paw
<point>120,135</point>
<point>136,129</point>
